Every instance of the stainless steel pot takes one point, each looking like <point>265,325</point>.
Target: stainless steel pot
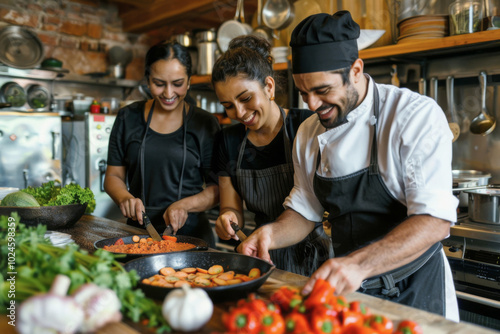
<point>468,180</point>
<point>208,52</point>
<point>484,204</point>
<point>184,39</point>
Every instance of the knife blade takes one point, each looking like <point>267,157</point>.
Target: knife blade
<point>150,228</point>
<point>168,230</point>
<point>238,231</point>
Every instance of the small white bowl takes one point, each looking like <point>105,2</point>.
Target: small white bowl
<point>368,36</point>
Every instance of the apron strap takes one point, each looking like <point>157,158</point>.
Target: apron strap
<point>143,148</point>
<point>388,280</point>
<point>374,154</point>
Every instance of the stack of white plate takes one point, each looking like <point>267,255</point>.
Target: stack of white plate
<point>4,191</point>
<point>280,54</point>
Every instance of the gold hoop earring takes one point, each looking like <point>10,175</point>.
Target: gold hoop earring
<point>271,98</point>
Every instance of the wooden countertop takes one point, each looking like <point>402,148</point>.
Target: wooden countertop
<point>90,229</point>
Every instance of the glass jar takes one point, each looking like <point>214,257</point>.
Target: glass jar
<point>465,17</point>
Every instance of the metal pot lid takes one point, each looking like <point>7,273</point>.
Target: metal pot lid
<point>469,174</point>
<point>20,47</point>
<point>488,191</point>
<point>38,97</point>
<point>13,93</point>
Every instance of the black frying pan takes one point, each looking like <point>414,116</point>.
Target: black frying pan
<point>199,243</point>
<point>241,264</point>
<point>57,216</point>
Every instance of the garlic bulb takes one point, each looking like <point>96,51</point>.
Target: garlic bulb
<point>187,309</point>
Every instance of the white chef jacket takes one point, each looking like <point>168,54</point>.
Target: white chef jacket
<point>414,153</point>
<point>414,156</point>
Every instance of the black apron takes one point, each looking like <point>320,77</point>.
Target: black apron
<point>362,210</point>
<point>197,224</point>
<point>264,191</point>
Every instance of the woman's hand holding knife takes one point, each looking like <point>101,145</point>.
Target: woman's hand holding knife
<point>132,208</point>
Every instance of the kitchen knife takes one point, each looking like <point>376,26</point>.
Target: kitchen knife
<point>150,228</point>
<point>239,232</point>
<point>168,230</point>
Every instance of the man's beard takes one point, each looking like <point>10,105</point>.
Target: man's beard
<point>351,99</point>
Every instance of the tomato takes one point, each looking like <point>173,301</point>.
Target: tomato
<point>408,327</point>
<point>297,323</point>
<point>380,323</point>
<point>241,320</point>
<point>119,242</point>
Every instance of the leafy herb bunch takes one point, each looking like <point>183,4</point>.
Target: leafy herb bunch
<point>51,193</point>
<point>37,262</point>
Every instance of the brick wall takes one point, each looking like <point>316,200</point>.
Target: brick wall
<point>79,33</point>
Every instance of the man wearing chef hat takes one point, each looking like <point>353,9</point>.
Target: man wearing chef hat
<point>377,158</point>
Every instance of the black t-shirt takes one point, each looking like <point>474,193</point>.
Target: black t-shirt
<point>163,154</point>
<point>229,140</point>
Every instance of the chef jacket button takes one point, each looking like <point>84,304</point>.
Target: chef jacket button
<point>323,141</point>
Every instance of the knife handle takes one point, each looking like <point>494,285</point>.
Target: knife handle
<point>238,231</point>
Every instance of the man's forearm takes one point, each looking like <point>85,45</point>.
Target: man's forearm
<point>290,228</point>
<point>403,244</point>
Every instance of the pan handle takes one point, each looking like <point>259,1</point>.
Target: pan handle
<point>5,104</point>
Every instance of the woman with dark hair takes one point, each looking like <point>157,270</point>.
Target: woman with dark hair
<point>160,151</point>
<point>253,159</point>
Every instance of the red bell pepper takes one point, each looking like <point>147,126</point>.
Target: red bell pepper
<point>348,317</point>
<point>357,306</point>
<point>324,320</point>
<point>380,323</point>
<point>297,323</point>
<point>408,327</point>
<point>271,323</point>
<point>322,293</point>
<point>358,329</point>
<point>340,304</point>
<point>254,303</point>
<point>287,298</point>
<point>241,320</point>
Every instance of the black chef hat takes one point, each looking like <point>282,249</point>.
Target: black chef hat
<point>324,42</point>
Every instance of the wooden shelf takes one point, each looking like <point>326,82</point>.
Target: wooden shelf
<point>432,47</point>
<point>484,40</point>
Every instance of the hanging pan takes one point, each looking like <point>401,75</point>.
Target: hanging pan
<point>20,47</point>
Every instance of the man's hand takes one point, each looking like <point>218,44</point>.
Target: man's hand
<point>342,273</point>
<point>257,244</point>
